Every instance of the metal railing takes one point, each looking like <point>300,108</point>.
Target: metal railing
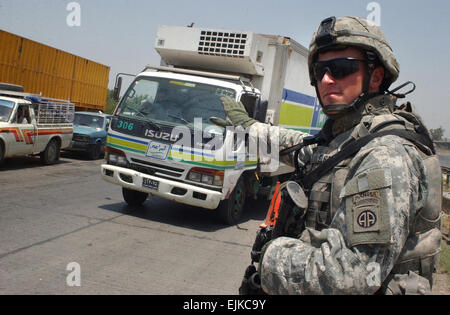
<point>54,113</point>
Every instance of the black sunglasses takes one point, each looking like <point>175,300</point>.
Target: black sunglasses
<point>338,68</point>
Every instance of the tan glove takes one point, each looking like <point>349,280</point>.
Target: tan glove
<point>235,112</point>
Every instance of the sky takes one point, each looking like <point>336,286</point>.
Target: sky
<point>121,34</point>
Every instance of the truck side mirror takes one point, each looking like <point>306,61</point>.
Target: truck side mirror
<point>117,88</point>
<point>260,111</point>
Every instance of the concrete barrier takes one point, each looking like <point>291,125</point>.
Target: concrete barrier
<point>446,203</point>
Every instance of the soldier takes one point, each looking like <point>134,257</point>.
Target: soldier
<point>372,224</point>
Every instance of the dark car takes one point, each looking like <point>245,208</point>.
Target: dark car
<point>89,133</point>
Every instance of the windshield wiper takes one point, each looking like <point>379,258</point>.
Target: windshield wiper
<point>152,124</point>
<point>180,118</point>
<point>137,111</point>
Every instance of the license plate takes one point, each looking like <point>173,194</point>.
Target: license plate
<point>150,183</point>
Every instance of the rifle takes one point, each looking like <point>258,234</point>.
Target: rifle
<point>284,217</point>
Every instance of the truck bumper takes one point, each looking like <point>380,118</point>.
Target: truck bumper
<point>78,146</point>
<point>168,189</point>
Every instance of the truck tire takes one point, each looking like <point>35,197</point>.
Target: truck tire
<point>230,210</point>
<point>2,152</point>
<point>95,151</point>
<point>51,153</point>
<point>134,198</point>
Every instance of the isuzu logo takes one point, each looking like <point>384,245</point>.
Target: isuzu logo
<point>161,135</point>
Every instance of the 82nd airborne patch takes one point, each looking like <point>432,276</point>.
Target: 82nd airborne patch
<point>366,212</point>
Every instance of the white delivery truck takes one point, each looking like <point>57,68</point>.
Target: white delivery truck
<point>161,141</point>
<point>31,124</point>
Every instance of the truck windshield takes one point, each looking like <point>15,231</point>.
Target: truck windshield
<point>6,108</point>
<point>173,102</point>
<point>88,120</point>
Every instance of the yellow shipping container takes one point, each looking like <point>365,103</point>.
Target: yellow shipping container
<point>54,73</point>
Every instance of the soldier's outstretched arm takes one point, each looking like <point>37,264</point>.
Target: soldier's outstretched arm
<point>278,138</point>
<point>264,134</point>
<point>367,235</point>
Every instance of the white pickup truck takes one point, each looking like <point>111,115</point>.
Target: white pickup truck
<point>31,124</point>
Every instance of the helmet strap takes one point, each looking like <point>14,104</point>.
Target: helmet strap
<point>365,95</point>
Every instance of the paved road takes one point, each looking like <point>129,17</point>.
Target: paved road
<point>51,216</point>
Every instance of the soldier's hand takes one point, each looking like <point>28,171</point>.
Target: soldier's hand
<point>236,112</point>
<point>220,122</point>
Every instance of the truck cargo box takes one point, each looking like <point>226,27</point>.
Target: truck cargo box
<point>206,49</point>
<point>54,73</point>
<point>274,64</point>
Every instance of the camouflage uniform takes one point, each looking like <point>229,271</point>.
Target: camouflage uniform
<point>373,222</point>
<point>362,217</point>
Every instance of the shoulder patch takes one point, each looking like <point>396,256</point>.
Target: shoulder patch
<point>367,218</point>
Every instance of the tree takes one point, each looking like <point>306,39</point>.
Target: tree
<point>111,103</point>
<point>437,134</point>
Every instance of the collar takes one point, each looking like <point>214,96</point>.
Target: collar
<point>377,105</point>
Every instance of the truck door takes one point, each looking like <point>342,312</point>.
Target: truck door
<point>22,131</point>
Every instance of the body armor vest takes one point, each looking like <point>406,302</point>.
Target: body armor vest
<point>421,250</point>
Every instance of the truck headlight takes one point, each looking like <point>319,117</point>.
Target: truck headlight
<point>194,176</point>
<point>115,157</point>
<point>111,158</point>
<point>122,161</point>
<point>207,179</point>
<point>206,176</point>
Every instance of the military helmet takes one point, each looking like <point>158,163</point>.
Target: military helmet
<point>356,32</point>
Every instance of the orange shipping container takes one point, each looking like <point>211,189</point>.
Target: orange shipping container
<point>54,73</point>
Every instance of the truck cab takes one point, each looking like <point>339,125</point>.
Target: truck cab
<point>89,133</point>
<point>161,142</point>
<point>16,122</point>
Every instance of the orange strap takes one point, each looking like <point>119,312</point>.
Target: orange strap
<point>272,214</point>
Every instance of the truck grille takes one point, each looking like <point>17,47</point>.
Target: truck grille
<point>80,138</point>
<point>222,44</point>
<point>155,169</point>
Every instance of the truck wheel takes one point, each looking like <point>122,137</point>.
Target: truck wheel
<point>134,198</point>
<point>51,153</point>
<point>230,210</point>
<point>95,151</point>
<point>2,153</point>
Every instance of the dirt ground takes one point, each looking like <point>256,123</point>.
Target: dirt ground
<point>441,284</point>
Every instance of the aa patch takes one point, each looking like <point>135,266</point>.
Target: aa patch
<point>366,212</point>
